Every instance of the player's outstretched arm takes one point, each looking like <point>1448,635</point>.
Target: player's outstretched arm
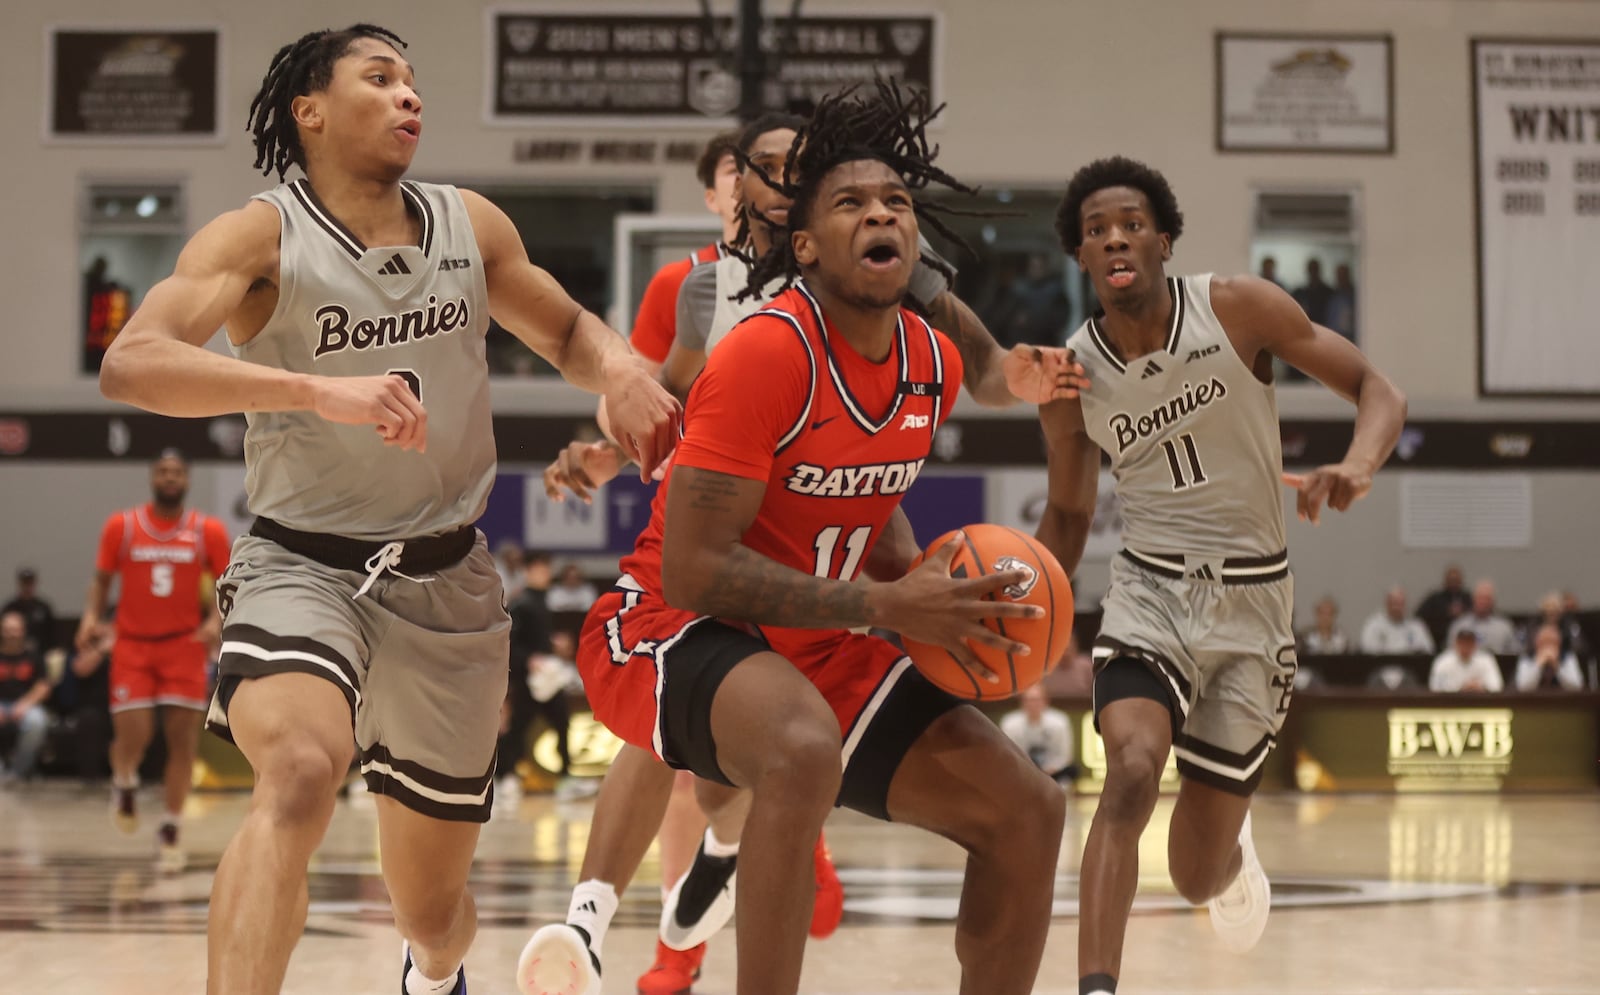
<point>1073,461</point>
<point>1276,324</point>
<point>708,570</point>
<point>643,417</point>
<point>997,377</point>
<point>159,363</point>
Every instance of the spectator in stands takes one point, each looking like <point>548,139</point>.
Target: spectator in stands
<point>1269,271</point>
<point>1342,303</point>
<point>1465,666</point>
<point>1390,632</point>
<point>1044,734</point>
<point>1553,611</point>
<point>1495,632</point>
<point>1315,296</point>
<point>84,698</point>
<point>510,561</point>
<point>23,689</point>
<point>1547,667</point>
<point>1324,638</point>
<point>36,612</point>
<point>573,593</point>
<point>1440,609</point>
<point>1073,676</point>
<point>530,637</point>
<point>549,676</point>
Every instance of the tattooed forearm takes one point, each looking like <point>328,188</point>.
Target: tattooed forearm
<point>749,587</point>
<point>981,355</point>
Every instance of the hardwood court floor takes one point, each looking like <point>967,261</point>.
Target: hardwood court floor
<point>1426,895</point>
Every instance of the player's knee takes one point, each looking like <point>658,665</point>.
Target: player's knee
<point>297,782</point>
<point>1027,820</point>
<point>802,762</point>
<point>1133,777</point>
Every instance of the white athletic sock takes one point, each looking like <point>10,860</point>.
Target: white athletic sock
<point>129,782</point>
<point>416,984</point>
<point>593,905</point>
<point>717,848</point>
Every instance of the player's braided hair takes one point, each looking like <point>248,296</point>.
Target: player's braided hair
<point>887,124</point>
<point>1116,171</point>
<point>301,67</point>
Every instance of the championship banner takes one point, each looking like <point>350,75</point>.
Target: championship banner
<point>584,65</point>
<point>1537,128</point>
<point>133,85</point>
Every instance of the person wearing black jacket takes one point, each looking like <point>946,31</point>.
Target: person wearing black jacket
<point>530,635</point>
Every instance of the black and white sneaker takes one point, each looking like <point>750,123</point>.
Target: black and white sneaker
<point>461,976</point>
<point>701,903</point>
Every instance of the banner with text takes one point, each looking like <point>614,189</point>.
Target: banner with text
<point>620,68</point>
<point>143,84</point>
<point>1538,190</point>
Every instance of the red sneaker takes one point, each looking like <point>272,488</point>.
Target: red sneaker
<point>828,907</point>
<point>674,972</point>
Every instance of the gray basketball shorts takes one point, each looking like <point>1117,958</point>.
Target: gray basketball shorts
<point>1221,644</point>
<point>422,664</point>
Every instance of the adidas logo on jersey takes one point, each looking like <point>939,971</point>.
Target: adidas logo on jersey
<point>338,334</point>
<point>1150,370</point>
<point>395,267</point>
<point>1203,572</point>
<point>915,421</point>
<point>853,481</point>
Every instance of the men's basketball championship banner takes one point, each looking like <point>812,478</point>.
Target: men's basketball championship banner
<point>587,65</point>
<point>133,85</point>
<point>1537,124</point>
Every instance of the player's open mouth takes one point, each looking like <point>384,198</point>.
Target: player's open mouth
<point>1121,275</point>
<point>882,256</point>
<point>412,130</point>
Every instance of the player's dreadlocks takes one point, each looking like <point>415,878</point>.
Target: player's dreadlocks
<point>1116,172</point>
<point>300,68</point>
<point>888,125</point>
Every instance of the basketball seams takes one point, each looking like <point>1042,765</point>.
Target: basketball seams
<point>999,623</point>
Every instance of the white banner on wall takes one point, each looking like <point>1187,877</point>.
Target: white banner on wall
<point>1305,93</point>
<point>1537,125</point>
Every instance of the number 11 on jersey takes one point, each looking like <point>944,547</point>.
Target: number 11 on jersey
<point>855,547</point>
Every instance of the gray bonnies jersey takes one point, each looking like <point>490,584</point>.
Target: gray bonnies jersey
<point>346,310</point>
<point>1192,435</point>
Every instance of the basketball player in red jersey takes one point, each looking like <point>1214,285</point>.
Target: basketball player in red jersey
<point>161,555</point>
<point>725,649</point>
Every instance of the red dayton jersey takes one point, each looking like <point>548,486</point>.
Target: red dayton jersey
<point>161,562</point>
<point>838,438</point>
<point>657,323</point>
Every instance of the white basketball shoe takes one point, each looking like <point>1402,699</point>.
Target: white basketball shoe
<point>558,961</point>
<point>1239,914</point>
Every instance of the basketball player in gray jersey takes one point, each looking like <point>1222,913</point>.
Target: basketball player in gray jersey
<point>363,599</point>
<point>1195,652</point>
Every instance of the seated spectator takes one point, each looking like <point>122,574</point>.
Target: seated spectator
<point>1073,676</point>
<point>1547,668</point>
<point>23,689</point>
<point>509,561</point>
<point>1044,734</point>
<point>1392,677</point>
<point>1495,632</point>
<point>1465,666</point>
<point>1324,637</point>
<point>1440,609</point>
<point>84,697</point>
<point>1390,632</point>
<point>572,593</point>
<point>1553,611</point>
<point>35,611</point>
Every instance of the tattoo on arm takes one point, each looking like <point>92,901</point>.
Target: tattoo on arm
<point>966,330</point>
<point>750,587</point>
<point>742,584</point>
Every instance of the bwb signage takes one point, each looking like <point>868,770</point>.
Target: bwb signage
<point>1464,747</point>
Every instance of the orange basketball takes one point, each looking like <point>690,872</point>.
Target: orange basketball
<point>987,549</point>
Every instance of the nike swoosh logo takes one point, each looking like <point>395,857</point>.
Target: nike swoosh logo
<point>818,424</point>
